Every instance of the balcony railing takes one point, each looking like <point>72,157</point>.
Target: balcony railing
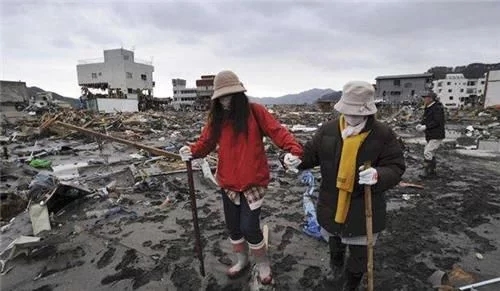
<point>91,61</point>
<point>139,61</point>
<point>101,60</point>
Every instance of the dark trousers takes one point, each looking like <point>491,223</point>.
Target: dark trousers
<point>357,260</point>
<point>241,221</point>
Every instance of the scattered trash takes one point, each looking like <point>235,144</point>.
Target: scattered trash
<point>40,164</point>
<point>302,128</point>
<point>407,197</point>
<point>41,184</point>
<point>454,278</point>
<point>20,245</point>
<point>165,204</point>
<point>411,185</point>
<point>39,215</point>
<point>311,225</point>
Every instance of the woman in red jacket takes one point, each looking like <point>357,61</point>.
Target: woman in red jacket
<point>237,128</point>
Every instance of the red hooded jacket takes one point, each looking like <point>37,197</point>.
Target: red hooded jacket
<point>243,162</point>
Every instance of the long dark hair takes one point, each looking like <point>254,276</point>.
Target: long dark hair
<point>237,116</point>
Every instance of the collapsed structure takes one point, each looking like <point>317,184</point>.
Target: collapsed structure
<point>193,98</point>
<point>116,82</point>
<point>401,89</point>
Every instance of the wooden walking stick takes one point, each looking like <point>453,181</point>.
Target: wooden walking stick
<point>198,246</point>
<point>369,229</point>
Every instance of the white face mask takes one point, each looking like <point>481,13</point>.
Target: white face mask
<point>225,101</point>
<point>354,120</point>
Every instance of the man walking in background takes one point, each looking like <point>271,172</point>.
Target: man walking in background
<point>433,125</point>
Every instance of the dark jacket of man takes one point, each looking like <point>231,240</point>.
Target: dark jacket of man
<point>381,147</point>
<point>433,120</point>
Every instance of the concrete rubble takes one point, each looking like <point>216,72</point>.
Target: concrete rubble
<point>101,215</point>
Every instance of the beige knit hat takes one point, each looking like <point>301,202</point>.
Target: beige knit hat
<point>357,99</point>
<point>225,83</point>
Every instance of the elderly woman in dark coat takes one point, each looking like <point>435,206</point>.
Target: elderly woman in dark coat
<point>341,147</point>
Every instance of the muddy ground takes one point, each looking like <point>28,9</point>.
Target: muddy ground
<point>145,248</point>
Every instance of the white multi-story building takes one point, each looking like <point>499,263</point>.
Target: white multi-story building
<point>121,75</point>
<point>456,91</point>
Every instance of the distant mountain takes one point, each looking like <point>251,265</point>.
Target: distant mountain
<point>73,101</point>
<point>309,96</point>
<point>471,71</point>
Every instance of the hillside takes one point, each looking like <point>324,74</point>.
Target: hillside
<point>470,71</point>
<point>309,96</point>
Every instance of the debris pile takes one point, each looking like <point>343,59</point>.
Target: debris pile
<point>80,208</point>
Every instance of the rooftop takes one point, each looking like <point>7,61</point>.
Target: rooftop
<point>410,76</point>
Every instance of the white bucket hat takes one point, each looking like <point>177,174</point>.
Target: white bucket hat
<point>225,83</point>
<point>357,99</point>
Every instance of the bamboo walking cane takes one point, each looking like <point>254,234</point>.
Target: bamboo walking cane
<point>369,229</point>
<point>198,246</point>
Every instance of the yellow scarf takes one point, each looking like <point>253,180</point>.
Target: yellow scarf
<point>347,171</point>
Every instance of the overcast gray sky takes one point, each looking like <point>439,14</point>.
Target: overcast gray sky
<point>276,47</point>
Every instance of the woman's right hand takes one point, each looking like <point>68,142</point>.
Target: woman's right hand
<point>185,153</point>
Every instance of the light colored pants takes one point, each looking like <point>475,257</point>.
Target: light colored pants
<point>431,148</point>
<point>361,240</point>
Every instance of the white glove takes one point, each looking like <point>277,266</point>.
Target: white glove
<point>291,161</point>
<point>368,176</point>
<point>185,153</point>
<point>420,127</point>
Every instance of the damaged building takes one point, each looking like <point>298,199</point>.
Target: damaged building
<point>116,82</point>
<point>492,89</point>
<point>401,89</point>
<point>13,95</point>
<point>456,91</point>
<point>193,98</point>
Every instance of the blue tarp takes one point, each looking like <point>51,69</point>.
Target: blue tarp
<point>311,226</point>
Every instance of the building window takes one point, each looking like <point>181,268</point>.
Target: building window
<point>480,91</point>
<point>397,82</point>
<point>129,75</point>
<point>440,90</point>
<point>449,90</point>
<point>482,82</point>
<point>448,83</point>
<point>130,90</point>
<point>126,57</point>
<point>144,77</point>
<point>451,97</point>
<point>100,73</point>
<point>440,84</point>
<point>462,90</point>
<point>471,83</point>
<point>383,93</point>
<point>94,75</point>
<point>412,92</point>
<point>395,93</point>
<point>408,85</point>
